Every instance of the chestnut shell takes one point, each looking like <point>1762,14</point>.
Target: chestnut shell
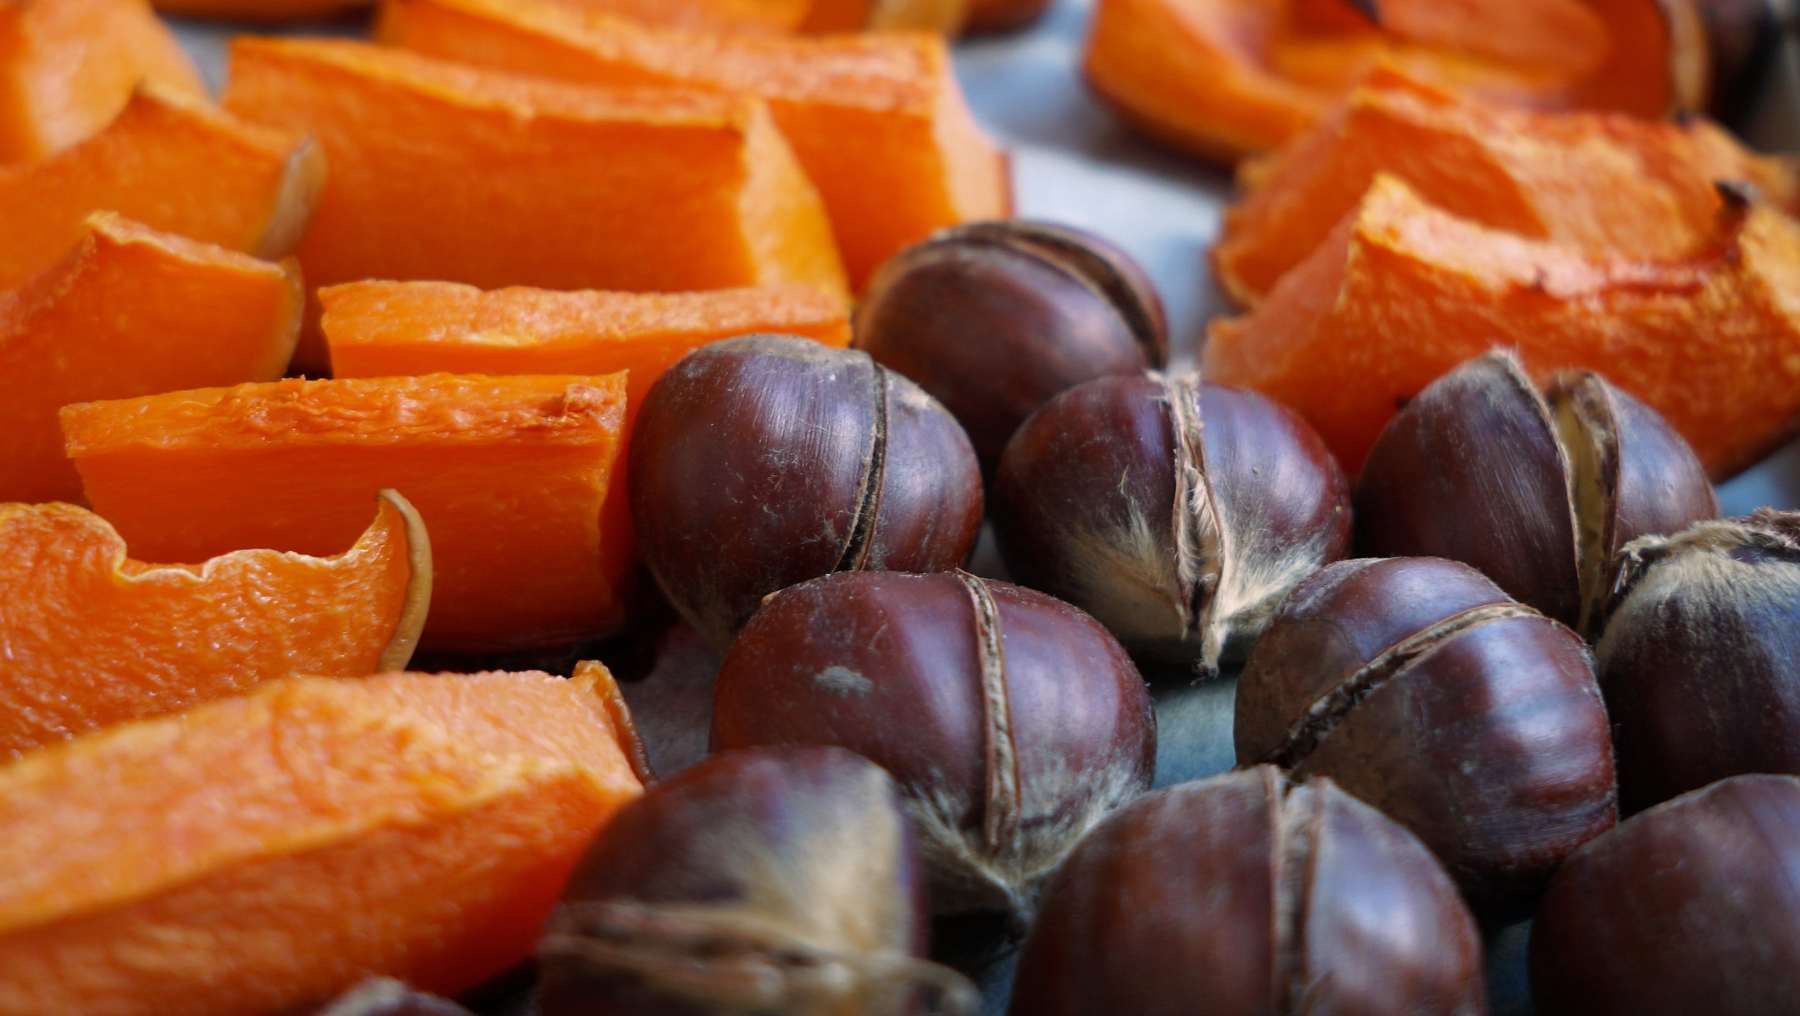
<point>1537,491</point>
<point>762,461</point>
<point>1177,513</point>
<point>1690,907</point>
<point>1238,895</point>
<point>780,880</point>
<point>1012,721</point>
<point>1700,659</point>
<point>994,318</point>
<point>1421,688</point>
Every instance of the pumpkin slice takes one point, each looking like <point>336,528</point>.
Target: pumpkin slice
<point>130,311</point>
<point>1401,292</point>
<point>95,639</point>
<point>68,66</point>
<point>173,163</point>
<point>769,17</point>
<point>1600,183</point>
<point>378,329</point>
<point>1228,78</point>
<point>509,474</point>
<point>1567,36</point>
<point>918,161</point>
<point>440,171</point>
<point>262,854</point>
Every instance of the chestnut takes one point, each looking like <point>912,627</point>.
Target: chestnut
<point>1012,721</point>
<point>782,880</point>
<point>1177,513</point>
<point>1421,688</point>
<point>761,461</point>
<point>384,996</point>
<point>1743,47</point>
<point>1700,659</point>
<point>1538,491</point>
<point>1690,907</point>
<point>1241,895</point>
<point>993,318</point>
<point>1004,15</point>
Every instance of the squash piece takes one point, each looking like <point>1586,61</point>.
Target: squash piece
<point>1600,183</point>
<point>259,185</point>
<point>509,474</point>
<point>1228,78</point>
<point>378,329</point>
<point>68,66</point>
<point>770,17</point>
<point>440,171</point>
<point>130,311</point>
<point>261,854</point>
<point>1566,36</point>
<point>94,639</point>
<point>877,121</point>
<point>1401,292</point>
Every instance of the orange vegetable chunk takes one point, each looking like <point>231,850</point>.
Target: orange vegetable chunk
<point>877,120</point>
<point>509,474</point>
<point>1403,291</point>
<point>173,163</point>
<point>94,638</point>
<point>377,329</point>
<point>1228,78</point>
<point>130,311</point>
<point>261,854</point>
<point>68,66</point>
<point>1600,183</point>
<point>786,16</point>
<point>440,171</point>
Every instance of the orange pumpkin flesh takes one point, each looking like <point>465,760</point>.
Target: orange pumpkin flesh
<point>95,639</point>
<point>261,854</point>
<point>130,311</point>
<point>1229,78</point>
<point>1600,183</point>
<point>260,184</point>
<point>439,171</point>
<point>1402,291</point>
<point>877,121</point>
<point>68,66</point>
<point>509,474</point>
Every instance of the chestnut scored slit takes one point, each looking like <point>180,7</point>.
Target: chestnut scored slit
<point>861,538</point>
<point>1000,816</point>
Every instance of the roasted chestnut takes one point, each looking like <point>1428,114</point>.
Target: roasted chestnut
<point>1004,15</point>
<point>994,318</point>
<point>384,996</point>
<point>762,461</point>
<point>1690,907</point>
<point>1421,688</point>
<point>1012,721</point>
<point>1177,513</point>
<point>1743,44</point>
<point>1700,660</point>
<point>1539,492</point>
<point>1240,895</point>
<point>782,880</point>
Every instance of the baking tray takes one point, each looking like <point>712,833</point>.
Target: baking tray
<point>1074,162</point>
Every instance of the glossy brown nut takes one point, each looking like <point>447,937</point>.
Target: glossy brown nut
<point>1743,43</point>
<point>994,318</point>
<point>1690,907</point>
<point>777,880</point>
<point>1700,660</point>
<point>1012,721</point>
<point>1537,491</point>
<point>762,461</point>
<point>1178,514</point>
<point>384,996</point>
<point>1421,688</point>
<point>1004,15</point>
<point>1238,895</point>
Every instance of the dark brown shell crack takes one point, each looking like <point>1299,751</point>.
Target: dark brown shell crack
<point>733,959</point>
<point>1330,709</point>
<point>1201,550</point>
<point>1004,805</point>
<point>1300,815</point>
<point>861,539</point>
